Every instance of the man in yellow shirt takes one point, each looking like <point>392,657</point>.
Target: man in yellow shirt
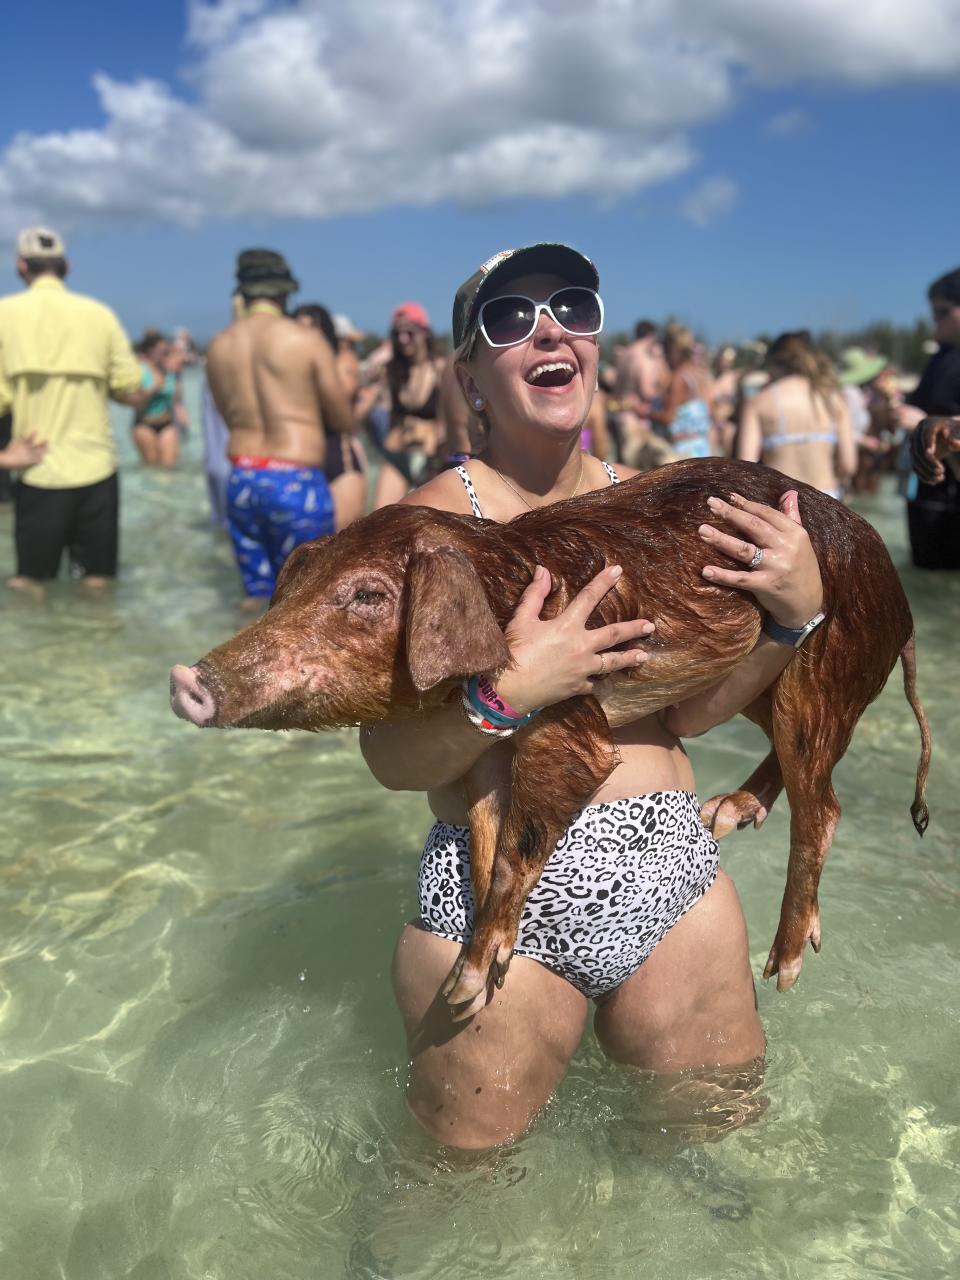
<point>61,356</point>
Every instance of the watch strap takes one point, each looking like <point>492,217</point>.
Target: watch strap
<point>793,636</point>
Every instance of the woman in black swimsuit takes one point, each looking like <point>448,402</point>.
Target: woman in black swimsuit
<point>345,464</point>
<point>405,419</point>
<point>156,424</point>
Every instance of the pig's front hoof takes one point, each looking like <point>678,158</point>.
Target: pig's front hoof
<point>786,954</point>
<point>473,977</point>
<point>732,812</point>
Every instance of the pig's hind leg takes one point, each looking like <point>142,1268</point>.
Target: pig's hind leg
<point>561,758</point>
<point>752,802</point>
<point>750,805</point>
<point>810,736</point>
<point>486,786</point>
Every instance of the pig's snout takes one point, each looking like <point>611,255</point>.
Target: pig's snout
<point>190,698</point>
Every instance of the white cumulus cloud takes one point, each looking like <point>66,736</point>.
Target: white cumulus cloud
<point>788,124</point>
<point>714,198</point>
<point>308,109</point>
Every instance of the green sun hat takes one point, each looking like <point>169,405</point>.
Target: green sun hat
<point>857,368</point>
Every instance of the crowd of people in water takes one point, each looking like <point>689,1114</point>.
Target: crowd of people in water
<point>661,395</point>
<point>525,409</point>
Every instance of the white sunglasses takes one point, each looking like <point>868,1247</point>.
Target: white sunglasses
<point>507,321</point>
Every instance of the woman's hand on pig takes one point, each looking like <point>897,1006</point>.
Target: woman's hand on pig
<point>787,580</point>
<point>560,658</point>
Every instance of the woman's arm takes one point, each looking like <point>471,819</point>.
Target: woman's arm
<point>368,397</point>
<point>846,458</point>
<point>550,662</point>
<point>597,425</point>
<point>418,755</point>
<point>745,682</point>
<point>674,396</point>
<point>335,406</point>
<point>454,414</point>
<point>750,435</point>
<point>348,369</point>
<point>786,584</point>
<point>180,415</point>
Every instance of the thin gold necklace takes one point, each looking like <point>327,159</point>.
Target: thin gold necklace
<point>529,505</point>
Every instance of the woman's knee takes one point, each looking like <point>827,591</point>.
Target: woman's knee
<point>468,1115</point>
<point>169,450</point>
<point>481,1083</point>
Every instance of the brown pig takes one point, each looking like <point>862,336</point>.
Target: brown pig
<point>386,619</point>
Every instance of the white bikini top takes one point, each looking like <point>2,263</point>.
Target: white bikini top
<point>472,493</point>
<point>783,436</point>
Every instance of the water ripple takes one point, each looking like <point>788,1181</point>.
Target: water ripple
<point>201,1065</point>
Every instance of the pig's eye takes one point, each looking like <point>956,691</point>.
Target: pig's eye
<point>363,596</point>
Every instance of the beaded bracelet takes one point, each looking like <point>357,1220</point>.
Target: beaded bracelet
<point>487,711</point>
<point>480,721</point>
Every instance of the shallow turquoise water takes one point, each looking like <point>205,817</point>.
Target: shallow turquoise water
<point>201,1068</point>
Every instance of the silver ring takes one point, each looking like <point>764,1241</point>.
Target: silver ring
<point>757,557</point>
<point>603,667</point>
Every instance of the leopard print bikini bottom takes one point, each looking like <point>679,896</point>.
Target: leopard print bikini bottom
<point>619,879</point>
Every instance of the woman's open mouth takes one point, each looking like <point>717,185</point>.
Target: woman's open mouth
<point>551,375</point>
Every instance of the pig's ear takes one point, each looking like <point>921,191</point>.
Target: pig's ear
<point>292,570</point>
<point>451,630</point>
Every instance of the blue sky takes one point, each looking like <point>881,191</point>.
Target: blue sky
<point>779,175</point>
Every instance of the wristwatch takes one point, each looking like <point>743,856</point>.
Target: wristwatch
<point>794,636</point>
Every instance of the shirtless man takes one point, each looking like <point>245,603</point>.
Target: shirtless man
<point>276,385</point>
<point>642,378</point>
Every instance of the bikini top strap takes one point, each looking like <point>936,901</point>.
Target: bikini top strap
<point>471,492</point>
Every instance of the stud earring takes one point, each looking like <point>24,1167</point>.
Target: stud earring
<point>478,403</point>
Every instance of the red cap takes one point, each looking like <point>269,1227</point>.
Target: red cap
<point>413,312</point>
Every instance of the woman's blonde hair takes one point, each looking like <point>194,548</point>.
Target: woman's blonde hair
<point>679,343</point>
<point>478,426</point>
<point>794,355</point>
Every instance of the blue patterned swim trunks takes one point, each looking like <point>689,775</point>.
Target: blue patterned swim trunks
<point>273,506</point>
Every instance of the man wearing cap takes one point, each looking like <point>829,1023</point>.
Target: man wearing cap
<point>276,385</point>
<point>61,357</point>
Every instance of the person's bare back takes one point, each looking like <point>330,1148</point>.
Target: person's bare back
<point>276,385</point>
<point>641,371</point>
<point>641,381</point>
<point>277,388</point>
<point>806,435</point>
